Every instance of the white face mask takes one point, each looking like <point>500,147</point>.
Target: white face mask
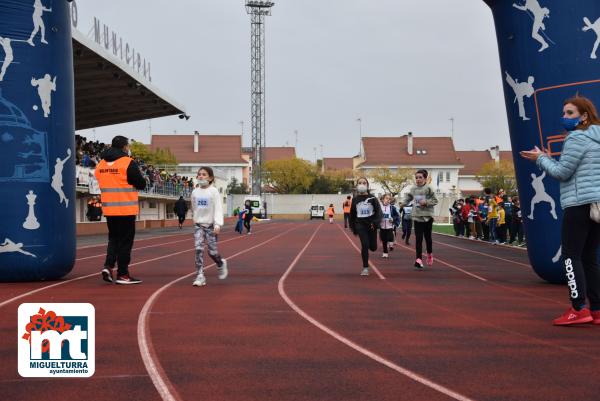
<point>361,188</point>
<point>203,183</point>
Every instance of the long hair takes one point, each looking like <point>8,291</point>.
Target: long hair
<point>584,105</point>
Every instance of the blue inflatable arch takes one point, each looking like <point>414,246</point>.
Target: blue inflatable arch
<point>548,52</point>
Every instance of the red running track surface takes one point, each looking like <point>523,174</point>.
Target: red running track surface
<point>295,321</point>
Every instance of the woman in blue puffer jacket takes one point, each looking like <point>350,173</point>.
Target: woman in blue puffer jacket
<point>578,171</point>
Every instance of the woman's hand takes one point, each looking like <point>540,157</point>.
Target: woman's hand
<point>423,202</point>
<point>532,154</point>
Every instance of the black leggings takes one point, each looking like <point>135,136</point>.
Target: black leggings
<point>386,236</point>
<point>368,241</point>
<point>181,218</point>
<point>423,229</point>
<point>580,242</point>
<point>247,224</point>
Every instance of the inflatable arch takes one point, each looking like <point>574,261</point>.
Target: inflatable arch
<point>548,52</point>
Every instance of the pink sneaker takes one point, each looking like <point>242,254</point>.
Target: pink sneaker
<point>419,263</point>
<point>429,259</point>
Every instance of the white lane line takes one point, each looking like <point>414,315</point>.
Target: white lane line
<point>450,265</point>
<point>403,371</point>
<point>190,239</point>
<point>96,274</point>
<point>375,269</point>
<point>163,385</point>
<point>484,254</point>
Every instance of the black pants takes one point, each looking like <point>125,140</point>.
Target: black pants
<point>247,224</point>
<point>121,232</point>
<point>501,233</point>
<point>386,236</point>
<point>181,218</point>
<point>346,220</point>
<point>580,243</point>
<point>368,241</point>
<point>423,229</point>
<point>516,231</point>
<point>406,229</point>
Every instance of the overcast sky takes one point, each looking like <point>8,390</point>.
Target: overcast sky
<point>399,65</point>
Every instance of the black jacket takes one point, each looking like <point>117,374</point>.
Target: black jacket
<point>134,175</point>
<point>372,220</point>
<point>180,208</point>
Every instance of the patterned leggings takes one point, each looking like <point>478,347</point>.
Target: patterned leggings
<point>205,235</point>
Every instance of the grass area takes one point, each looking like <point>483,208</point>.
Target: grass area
<point>443,228</point>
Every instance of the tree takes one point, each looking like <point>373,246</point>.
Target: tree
<point>290,176</point>
<point>235,187</point>
<point>498,175</point>
<point>158,156</point>
<point>392,181</point>
<point>332,182</point>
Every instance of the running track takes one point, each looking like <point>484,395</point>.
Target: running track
<point>295,321</point>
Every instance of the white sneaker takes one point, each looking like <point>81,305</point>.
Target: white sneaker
<point>391,245</point>
<point>200,281</point>
<point>365,271</point>
<point>385,256</point>
<point>223,272</point>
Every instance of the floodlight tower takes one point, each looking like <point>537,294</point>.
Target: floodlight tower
<point>258,10</point>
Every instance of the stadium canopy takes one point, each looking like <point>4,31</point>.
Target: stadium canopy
<point>108,91</point>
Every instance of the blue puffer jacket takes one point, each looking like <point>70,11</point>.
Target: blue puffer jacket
<point>578,169</point>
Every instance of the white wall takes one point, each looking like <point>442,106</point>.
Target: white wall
<point>469,183</point>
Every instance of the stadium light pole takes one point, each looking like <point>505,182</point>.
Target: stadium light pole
<point>359,120</point>
<point>258,10</point>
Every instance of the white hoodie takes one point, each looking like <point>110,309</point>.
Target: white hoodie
<point>207,206</point>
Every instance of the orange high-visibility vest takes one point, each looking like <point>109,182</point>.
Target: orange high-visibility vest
<point>330,212</point>
<point>347,206</point>
<point>118,197</point>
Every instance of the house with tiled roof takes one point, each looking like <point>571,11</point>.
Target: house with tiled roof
<point>473,161</point>
<point>435,154</point>
<point>221,152</point>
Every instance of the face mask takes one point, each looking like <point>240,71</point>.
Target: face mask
<point>570,124</point>
<point>202,183</point>
<point>361,188</point>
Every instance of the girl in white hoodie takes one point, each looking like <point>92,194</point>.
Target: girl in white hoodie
<point>207,209</point>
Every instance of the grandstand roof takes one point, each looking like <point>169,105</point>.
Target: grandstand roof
<point>393,151</point>
<point>108,91</point>
<point>212,149</point>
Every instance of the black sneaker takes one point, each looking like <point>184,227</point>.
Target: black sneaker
<point>127,279</point>
<point>107,274</point>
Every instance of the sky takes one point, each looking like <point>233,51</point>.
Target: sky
<point>398,65</point>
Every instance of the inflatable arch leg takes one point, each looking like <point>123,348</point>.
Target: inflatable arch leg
<point>37,143</point>
<point>548,53</point>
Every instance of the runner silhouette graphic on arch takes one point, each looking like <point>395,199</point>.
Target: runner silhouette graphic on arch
<point>538,13</point>
<point>541,195</point>
<point>596,28</point>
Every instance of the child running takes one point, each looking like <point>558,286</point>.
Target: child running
<point>386,232</point>
<point>247,216</point>
<point>330,213</point>
<point>406,212</point>
<point>365,217</point>
<point>207,209</point>
<point>424,200</point>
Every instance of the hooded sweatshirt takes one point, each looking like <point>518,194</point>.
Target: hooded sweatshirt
<point>578,167</point>
<point>207,206</point>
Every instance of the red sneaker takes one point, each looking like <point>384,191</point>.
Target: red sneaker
<point>596,316</point>
<point>572,316</point>
<point>429,259</point>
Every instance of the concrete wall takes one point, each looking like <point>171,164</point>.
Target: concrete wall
<point>298,206</point>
